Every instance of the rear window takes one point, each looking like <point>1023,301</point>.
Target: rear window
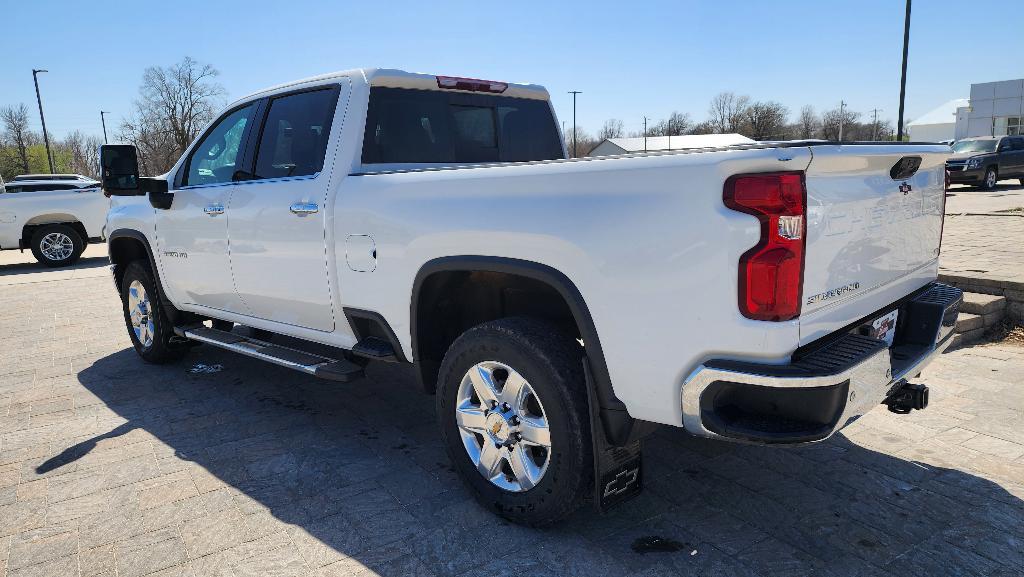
<point>428,126</point>
<point>39,187</point>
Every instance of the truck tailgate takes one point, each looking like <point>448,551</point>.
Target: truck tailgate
<point>871,239</point>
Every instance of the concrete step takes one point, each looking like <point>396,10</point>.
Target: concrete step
<point>967,322</point>
<point>979,313</point>
<point>982,304</point>
<point>967,338</point>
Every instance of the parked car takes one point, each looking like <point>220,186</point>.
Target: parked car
<point>984,160</point>
<point>560,309</point>
<point>53,218</point>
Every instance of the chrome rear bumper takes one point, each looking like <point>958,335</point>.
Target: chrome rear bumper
<point>823,390</point>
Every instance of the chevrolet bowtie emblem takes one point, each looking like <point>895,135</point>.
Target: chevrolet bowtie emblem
<point>905,188</point>
<point>495,428</point>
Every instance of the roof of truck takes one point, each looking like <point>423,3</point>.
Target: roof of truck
<point>401,79</point>
<point>24,177</point>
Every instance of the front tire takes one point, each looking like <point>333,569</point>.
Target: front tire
<point>991,178</point>
<point>148,326</point>
<point>56,245</point>
<point>512,407</point>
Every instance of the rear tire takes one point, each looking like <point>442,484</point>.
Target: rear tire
<point>528,483</point>
<point>56,245</point>
<point>148,326</point>
<point>991,178</point>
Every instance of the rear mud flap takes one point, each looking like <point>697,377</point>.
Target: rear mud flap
<point>618,470</point>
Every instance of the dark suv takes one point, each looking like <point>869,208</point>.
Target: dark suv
<point>984,160</point>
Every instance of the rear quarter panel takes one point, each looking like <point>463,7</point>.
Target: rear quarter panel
<point>646,240</point>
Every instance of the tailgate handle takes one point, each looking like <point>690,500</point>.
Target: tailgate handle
<point>905,168</point>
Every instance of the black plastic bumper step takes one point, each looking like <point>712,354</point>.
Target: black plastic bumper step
<point>375,349</point>
<point>340,370</point>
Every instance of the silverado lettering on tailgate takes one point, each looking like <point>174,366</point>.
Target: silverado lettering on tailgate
<point>833,293</point>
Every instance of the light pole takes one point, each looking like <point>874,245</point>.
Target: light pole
<point>645,134</point>
<point>39,100</point>
<point>574,93</point>
<point>903,75</point>
<point>874,123</point>
<point>842,116</point>
<point>104,121</point>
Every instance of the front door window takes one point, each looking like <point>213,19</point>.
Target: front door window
<point>216,157</point>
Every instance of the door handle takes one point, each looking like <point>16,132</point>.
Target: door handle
<point>304,208</point>
<point>214,209</point>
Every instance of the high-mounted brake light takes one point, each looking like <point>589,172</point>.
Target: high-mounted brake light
<point>471,84</point>
<point>771,274</point>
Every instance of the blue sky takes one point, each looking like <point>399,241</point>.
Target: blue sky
<point>630,58</point>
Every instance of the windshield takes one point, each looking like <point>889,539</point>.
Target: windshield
<point>975,146</point>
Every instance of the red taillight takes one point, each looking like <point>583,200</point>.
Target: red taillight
<point>771,274</point>
<point>471,84</point>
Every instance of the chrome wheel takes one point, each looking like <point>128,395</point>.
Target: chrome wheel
<point>57,246</point>
<point>139,313</point>
<point>503,426</point>
<point>990,179</point>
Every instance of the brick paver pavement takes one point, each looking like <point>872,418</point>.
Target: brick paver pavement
<point>983,242</point>
<point>112,467</point>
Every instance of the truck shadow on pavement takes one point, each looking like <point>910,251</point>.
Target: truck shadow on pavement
<point>354,476</point>
<point>21,268</point>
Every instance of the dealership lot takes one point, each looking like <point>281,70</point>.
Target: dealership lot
<point>221,466</point>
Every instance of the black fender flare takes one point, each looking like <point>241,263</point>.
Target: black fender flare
<point>139,237</point>
<point>617,423</point>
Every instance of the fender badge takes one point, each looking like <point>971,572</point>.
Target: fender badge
<point>905,189</point>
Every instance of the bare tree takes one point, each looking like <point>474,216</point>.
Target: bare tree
<point>830,124</point>
<point>174,104</point>
<point>727,110</point>
<point>15,119</point>
<point>705,127</point>
<point>765,121</point>
<point>584,142</point>
<point>809,124</point>
<point>677,123</point>
<point>613,128</point>
<point>81,153</point>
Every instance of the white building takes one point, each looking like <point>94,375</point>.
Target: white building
<point>938,124</point>
<point>611,146</point>
<point>995,109</point>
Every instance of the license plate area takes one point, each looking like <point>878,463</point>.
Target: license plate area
<point>882,327</point>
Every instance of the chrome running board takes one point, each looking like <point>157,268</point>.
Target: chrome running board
<point>340,370</point>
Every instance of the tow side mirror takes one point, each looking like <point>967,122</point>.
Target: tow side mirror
<point>119,170</point>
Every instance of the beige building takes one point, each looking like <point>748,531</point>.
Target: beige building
<point>995,109</point>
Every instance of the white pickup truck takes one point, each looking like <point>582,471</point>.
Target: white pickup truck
<point>559,309</point>
<point>54,215</point>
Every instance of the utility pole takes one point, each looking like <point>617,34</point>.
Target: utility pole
<point>39,100</point>
<point>645,134</point>
<point>903,75</point>
<point>103,120</point>
<point>842,117</point>
<point>574,93</point>
<point>874,122</point>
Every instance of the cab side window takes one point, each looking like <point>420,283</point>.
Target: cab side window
<point>294,137</point>
<point>216,158</point>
